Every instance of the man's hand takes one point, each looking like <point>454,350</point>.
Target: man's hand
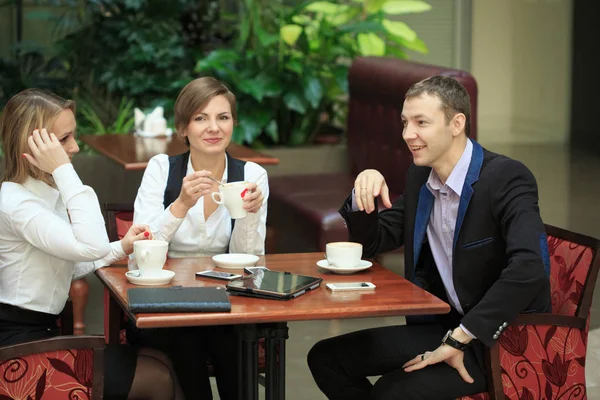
<point>448,354</point>
<point>368,185</point>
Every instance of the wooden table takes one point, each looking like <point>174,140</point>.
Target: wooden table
<point>134,152</point>
<point>393,296</point>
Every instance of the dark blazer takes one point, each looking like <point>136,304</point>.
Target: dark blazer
<point>500,256</point>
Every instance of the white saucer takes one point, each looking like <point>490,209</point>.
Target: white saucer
<point>160,277</point>
<point>235,260</point>
<point>362,265</point>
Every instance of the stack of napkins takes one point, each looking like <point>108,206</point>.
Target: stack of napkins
<point>152,125</point>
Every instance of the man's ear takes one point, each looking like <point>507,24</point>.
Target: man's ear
<point>458,124</point>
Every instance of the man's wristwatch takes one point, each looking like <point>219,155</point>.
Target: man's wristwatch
<point>450,341</point>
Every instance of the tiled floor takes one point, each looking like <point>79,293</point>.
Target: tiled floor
<point>569,191</point>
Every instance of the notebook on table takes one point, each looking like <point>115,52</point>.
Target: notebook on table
<point>178,299</point>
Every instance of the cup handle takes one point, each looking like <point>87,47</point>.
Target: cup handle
<point>213,194</point>
<point>144,254</point>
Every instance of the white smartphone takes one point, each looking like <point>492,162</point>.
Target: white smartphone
<point>348,286</point>
<point>251,270</point>
<point>226,276</point>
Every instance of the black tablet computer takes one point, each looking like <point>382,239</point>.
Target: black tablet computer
<point>273,285</point>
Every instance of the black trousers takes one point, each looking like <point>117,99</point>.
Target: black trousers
<point>189,349</point>
<point>18,325</point>
<point>341,365</point>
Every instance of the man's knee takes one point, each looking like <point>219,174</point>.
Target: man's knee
<point>320,355</point>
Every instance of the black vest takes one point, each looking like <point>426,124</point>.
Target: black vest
<point>178,169</point>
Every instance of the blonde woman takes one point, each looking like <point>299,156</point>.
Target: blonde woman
<point>51,232</point>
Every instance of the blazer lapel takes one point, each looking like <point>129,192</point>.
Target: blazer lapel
<point>421,221</point>
<point>467,190</point>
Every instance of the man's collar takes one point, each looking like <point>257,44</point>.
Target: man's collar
<point>458,175</point>
<point>42,190</point>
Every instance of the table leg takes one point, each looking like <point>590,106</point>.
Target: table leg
<point>248,384</point>
<point>276,335</point>
<point>113,315</point>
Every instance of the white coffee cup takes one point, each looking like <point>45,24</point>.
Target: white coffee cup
<point>343,254</point>
<point>230,194</point>
<point>150,255</point>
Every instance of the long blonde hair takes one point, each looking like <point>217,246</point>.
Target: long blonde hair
<point>26,111</point>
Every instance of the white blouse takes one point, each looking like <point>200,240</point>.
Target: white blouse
<point>194,235</point>
<point>41,251</point>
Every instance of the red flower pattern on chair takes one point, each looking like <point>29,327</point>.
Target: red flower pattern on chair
<point>61,374</point>
<point>547,362</point>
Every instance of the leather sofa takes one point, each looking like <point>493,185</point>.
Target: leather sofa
<point>303,208</point>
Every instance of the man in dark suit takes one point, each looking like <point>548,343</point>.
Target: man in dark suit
<point>472,234</point>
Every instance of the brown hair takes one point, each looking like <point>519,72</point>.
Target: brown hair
<point>454,97</point>
<point>194,97</point>
<point>25,112</point>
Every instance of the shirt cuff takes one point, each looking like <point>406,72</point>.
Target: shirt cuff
<point>354,205</point>
<point>116,253</point>
<point>67,181</point>
<point>166,225</point>
<point>468,332</point>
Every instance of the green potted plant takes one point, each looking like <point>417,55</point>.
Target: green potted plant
<point>289,65</point>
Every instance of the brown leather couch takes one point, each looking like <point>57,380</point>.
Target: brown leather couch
<point>303,208</point>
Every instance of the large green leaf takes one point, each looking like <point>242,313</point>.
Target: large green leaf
<point>251,124</point>
<point>399,28</point>
<point>313,91</point>
<point>416,45</point>
<point>343,17</point>
<point>290,33</point>
<point>340,73</point>
<point>324,7</point>
<point>301,19</point>
<point>260,86</point>
<point>362,27</point>
<point>369,44</point>
<point>217,59</point>
<point>405,7</point>
<point>272,131</point>
<point>265,38</point>
<point>396,52</point>
<point>374,6</point>
<point>295,66</point>
<point>294,101</point>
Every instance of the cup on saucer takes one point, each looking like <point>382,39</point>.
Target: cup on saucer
<point>150,256</point>
<point>343,254</point>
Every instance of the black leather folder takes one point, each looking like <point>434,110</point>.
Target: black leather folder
<point>178,299</point>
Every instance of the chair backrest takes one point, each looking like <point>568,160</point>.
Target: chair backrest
<point>119,218</point>
<point>574,265</point>
<point>57,368</point>
<point>377,86</point>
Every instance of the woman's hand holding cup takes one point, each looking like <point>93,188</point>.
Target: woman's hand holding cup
<point>47,153</point>
<point>136,232</point>
<point>253,198</point>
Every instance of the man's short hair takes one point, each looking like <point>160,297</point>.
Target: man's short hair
<point>454,97</point>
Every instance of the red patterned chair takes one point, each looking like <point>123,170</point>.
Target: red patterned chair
<point>119,219</point>
<point>303,209</point>
<point>65,367</point>
<point>542,356</point>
